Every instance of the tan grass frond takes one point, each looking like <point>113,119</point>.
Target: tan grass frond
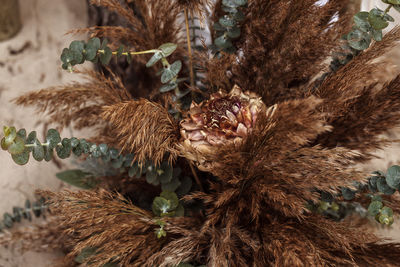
<point>121,231</point>
<point>284,44</point>
<point>78,103</point>
<point>144,128</point>
<point>359,110</point>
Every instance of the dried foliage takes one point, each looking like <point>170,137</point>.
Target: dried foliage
<point>284,44</point>
<point>143,127</point>
<point>80,103</point>
<point>307,138</point>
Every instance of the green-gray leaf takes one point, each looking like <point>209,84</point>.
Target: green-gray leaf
<point>361,21</point>
<point>106,56</point>
<point>383,187</point>
<point>154,59</point>
<point>78,178</point>
<point>374,208</point>
<point>171,72</point>
<point>393,177</point>
<point>53,138</point>
<point>168,48</point>
<point>377,20</point>
<point>21,158</point>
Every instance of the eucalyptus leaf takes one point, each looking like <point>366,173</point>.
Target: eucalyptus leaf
<point>168,48</point>
<point>21,158</point>
<point>53,138</point>
<point>377,35</point>
<point>374,208</point>
<point>171,72</point>
<point>38,151</point>
<point>383,187</point>
<point>17,147</point>
<point>361,21</point>
<point>227,21</point>
<point>234,32</point>
<point>77,178</point>
<point>168,87</point>
<point>393,177</point>
<point>154,59</point>
<point>171,185</point>
<point>172,197</point>
<point>106,56</point>
<point>160,206</point>
<point>348,194</point>
<point>377,20</point>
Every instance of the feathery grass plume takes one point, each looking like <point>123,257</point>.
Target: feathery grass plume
<point>143,127</point>
<point>120,231</point>
<point>283,45</point>
<point>77,103</point>
<point>358,109</point>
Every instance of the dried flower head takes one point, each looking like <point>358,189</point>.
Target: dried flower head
<point>221,120</point>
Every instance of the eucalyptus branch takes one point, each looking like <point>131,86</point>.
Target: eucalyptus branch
<point>95,50</point>
<point>21,146</point>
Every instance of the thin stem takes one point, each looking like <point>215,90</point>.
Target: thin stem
<point>387,9</point>
<point>196,177</point>
<point>189,45</point>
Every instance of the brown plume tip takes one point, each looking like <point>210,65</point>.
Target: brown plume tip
<point>223,119</point>
<point>144,128</point>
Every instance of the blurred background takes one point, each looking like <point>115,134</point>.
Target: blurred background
<point>29,60</point>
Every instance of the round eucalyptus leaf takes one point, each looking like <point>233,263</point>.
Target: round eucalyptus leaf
<point>166,175</point>
<point>106,56</point>
<point>53,138</point>
<point>377,35</point>
<point>22,134</point>
<point>152,176</point>
<point>374,208</point>
<point>9,134</point>
<point>160,206</point>
<point>393,177</point>
<point>171,185</point>
<point>361,21</point>
<point>171,72</point>
<point>17,147</point>
<point>154,59</point>
<point>38,151</point>
<point>186,185</point>
<point>48,153</point>
<point>31,139</point>
<point>383,187</point>
<point>168,48</point>
<point>103,149</point>
<point>233,33</point>
<point>168,87</point>
<point>348,194</point>
<point>74,142</point>
<point>120,50</point>
<point>78,46</point>
<point>240,2</point>
<point>227,21</point>
<point>229,3</point>
<point>21,158</point>
<point>218,27</point>
<point>377,20</point>
<point>172,197</point>
<point>223,42</point>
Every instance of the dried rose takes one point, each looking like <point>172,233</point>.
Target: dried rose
<point>223,119</point>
